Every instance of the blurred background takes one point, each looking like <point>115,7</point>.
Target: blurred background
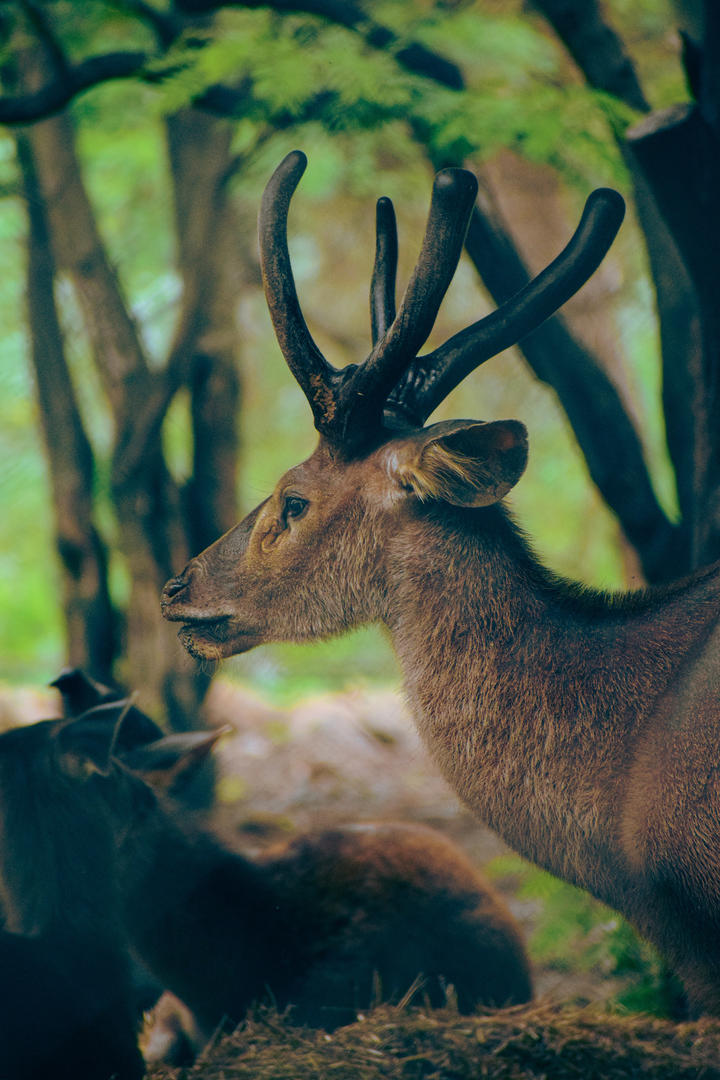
<point>144,404</point>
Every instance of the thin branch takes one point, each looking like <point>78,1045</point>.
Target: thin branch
<point>55,95</point>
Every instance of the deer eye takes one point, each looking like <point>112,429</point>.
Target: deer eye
<point>294,507</point>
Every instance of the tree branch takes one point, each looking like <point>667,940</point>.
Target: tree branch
<point>55,95</point>
<point>214,274</point>
<point>72,80</point>
<point>590,400</point>
<point>79,249</point>
<point>600,54</point>
<point>414,56</point>
<point>679,155</point>
<point>596,48</point>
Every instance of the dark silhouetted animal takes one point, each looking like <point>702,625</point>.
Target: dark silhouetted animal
<point>584,728</point>
<point>66,999</point>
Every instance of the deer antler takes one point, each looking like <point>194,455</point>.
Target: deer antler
<point>429,379</point>
<point>394,387</point>
<point>304,359</point>
<point>382,286</point>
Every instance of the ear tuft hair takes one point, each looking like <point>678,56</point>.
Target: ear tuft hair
<point>466,463</point>
<point>441,474</point>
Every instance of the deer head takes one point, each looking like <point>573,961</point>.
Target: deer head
<point>311,560</point>
<point>54,833</point>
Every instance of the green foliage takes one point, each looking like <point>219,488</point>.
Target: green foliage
<point>285,64</point>
<point>285,673</point>
<point>30,626</point>
<point>574,932</point>
<point>295,68</point>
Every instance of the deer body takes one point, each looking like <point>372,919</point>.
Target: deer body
<point>584,728</point>
<point>323,923</point>
<point>541,705</point>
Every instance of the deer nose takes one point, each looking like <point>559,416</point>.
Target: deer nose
<point>177,585</point>
<point>173,587</point>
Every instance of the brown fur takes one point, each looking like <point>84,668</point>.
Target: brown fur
<point>322,924</point>
<point>583,728</point>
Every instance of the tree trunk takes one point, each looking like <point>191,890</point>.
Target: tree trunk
<point>92,633</point>
<point>150,532</point>
<point>213,275</point>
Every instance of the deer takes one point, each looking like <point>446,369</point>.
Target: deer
<point>67,1004</point>
<point>323,924</point>
<point>582,727</point>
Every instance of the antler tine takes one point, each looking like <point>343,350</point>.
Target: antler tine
<point>382,286</point>
<point>429,379</point>
<point>308,365</point>
<point>453,196</point>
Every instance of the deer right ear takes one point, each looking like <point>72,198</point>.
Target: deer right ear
<point>462,462</point>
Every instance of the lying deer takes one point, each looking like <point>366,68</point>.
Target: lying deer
<point>67,1007</point>
<point>322,923</point>
<point>584,728</point>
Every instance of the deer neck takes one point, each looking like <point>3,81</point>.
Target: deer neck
<point>519,686</point>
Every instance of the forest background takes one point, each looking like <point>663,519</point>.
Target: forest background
<point>173,191</point>
<point>144,404</point>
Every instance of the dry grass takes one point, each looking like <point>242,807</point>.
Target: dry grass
<point>523,1043</point>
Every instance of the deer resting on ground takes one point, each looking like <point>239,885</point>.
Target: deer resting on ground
<point>326,923</point>
<point>323,923</point>
<point>583,728</point>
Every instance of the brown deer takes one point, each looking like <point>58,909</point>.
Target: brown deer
<point>321,923</point>
<point>324,923</point>
<point>584,728</point>
<point>67,1007</point>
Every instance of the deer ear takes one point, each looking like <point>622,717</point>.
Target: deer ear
<point>86,744</point>
<point>80,692</point>
<point>164,763</point>
<point>463,462</point>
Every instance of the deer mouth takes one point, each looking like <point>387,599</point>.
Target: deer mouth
<point>216,639</point>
